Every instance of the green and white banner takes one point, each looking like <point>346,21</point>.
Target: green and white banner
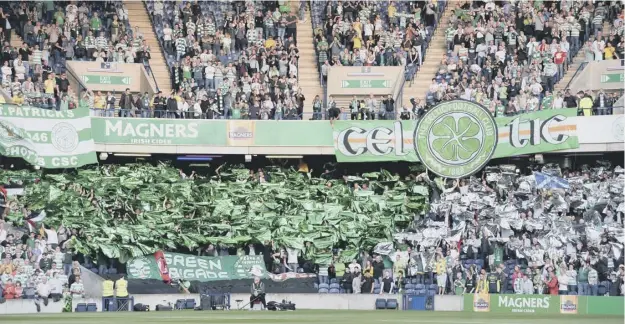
<point>455,138</point>
<point>47,138</point>
<point>197,268</point>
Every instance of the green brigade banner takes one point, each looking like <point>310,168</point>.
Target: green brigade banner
<point>544,304</point>
<point>47,138</point>
<point>455,138</point>
<point>197,268</point>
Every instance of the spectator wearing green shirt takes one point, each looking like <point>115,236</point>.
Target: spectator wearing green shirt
<point>547,102</point>
<point>96,23</point>
<point>459,284</point>
<point>59,17</point>
<point>339,267</point>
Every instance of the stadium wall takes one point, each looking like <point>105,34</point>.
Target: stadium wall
<point>566,305</point>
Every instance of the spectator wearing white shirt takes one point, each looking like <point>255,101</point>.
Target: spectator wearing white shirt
<point>43,293</point>
<point>52,238</point>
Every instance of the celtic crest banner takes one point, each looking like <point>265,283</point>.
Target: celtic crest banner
<point>456,138</point>
<point>47,138</point>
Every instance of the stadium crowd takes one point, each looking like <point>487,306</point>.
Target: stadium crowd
<point>55,32</point>
<point>234,60</point>
<point>373,33</point>
<point>540,241</point>
<point>37,265</point>
<point>508,57</point>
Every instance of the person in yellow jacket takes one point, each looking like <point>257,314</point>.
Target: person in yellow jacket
<point>121,287</point>
<point>441,272</point>
<point>121,291</point>
<point>108,291</point>
<point>585,104</point>
<point>482,284</point>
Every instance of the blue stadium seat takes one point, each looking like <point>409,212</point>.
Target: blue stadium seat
<point>421,292</point>
<point>335,286</point>
<point>433,287</point>
<point>333,280</point>
<point>324,286</point>
<point>410,292</point>
<point>431,293</point>
<point>190,303</point>
<point>81,307</point>
<point>380,303</point>
<point>91,307</point>
<point>392,303</point>
<point>323,290</point>
<point>409,286</point>
<point>414,281</point>
<point>334,290</point>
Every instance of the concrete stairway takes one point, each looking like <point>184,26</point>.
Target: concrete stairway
<point>577,61</point>
<point>433,56</point>
<point>138,16</point>
<point>308,75</point>
<point>568,74</point>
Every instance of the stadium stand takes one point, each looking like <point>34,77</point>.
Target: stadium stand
<point>245,60</point>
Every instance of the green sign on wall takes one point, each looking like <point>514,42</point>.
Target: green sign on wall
<point>544,304</point>
<point>613,77</point>
<point>455,137</point>
<point>365,84</point>
<point>106,79</point>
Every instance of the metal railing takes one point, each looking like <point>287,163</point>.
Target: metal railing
<point>577,71</point>
<point>161,45</point>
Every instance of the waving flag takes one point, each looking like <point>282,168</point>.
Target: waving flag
<point>546,181</point>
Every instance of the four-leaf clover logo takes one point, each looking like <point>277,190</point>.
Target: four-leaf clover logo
<point>456,138</point>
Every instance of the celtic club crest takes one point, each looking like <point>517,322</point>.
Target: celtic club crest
<point>64,137</point>
<point>456,138</point>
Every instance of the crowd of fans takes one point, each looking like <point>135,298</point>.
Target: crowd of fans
<point>540,241</point>
<point>37,265</point>
<point>373,33</point>
<point>54,33</point>
<point>234,60</point>
<point>508,57</point>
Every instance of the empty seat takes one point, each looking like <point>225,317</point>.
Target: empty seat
<point>91,307</point>
<point>324,286</point>
<point>415,281</point>
<point>81,307</point>
<point>431,293</point>
<point>335,286</point>
<point>419,287</point>
<point>333,280</point>
<point>421,292</point>
<point>409,286</point>
<point>323,290</point>
<point>410,292</point>
<point>334,290</point>
<point>433,287</point>
<point>190,303</point>
<point>392,303</point>
<point>380,303</point>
